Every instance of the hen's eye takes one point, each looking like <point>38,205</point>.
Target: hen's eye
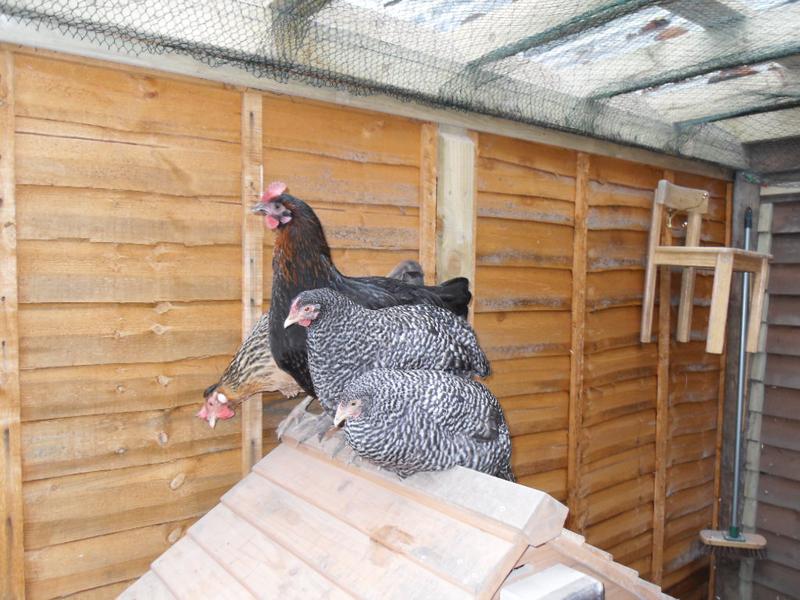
<point>307,308</point>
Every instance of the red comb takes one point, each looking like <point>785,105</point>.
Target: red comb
<point>275,189</point>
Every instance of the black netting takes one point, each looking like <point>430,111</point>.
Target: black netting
<point>712,79</point>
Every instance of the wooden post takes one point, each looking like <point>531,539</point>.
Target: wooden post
<point>456,205</point>
<point>12,573</point>
<point>580,234</point>
<point>429,138</point>
<point>662,412</point>
<point>252,263</point>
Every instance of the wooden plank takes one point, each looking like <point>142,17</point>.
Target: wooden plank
<point>781,402</point>
<point>633,550</point>
<point>125,217</point>
<point>784,579</point>
<point>518,243</point>
<point>691,447</point>
<point>84,156</point>
<point>508,178</point>
<point>782,339</point>
<point>613,328</point>
<point>780,520</point>
<point>689,474</point>
<point>611,401</point>
<point>523,334</point>
<point>614,250</point>
<point>481,559</point>
<point>618,498</point>
<point>428,173</point>
<point>786,218</point>
<point>12,580</point>
<point>505,288</point>
<point>310,127</point>
<point>785,248</point>
<point>688,524</point>
<point>783,371</point>
<point>77,271</point>
<point>99,442</point>
<point>618,435</point>
<point>692,418</point>
<point>72,567</point>
<point>538,452</point>
<point>620,364</point>
<point>118,333</point>
<point>513,377</point>
<point>552,159</point>
<point>525,208</point>
<point>781,433</point>
<point>780,461</point>
<point>616,530</point>
<point>784,280</point>
<point>93,94</point>
<point>609,289</point>
<point>605,169</point>
<point>534,413</point>
<point>266,569</point>
<point>148,586</point>
<point>67,509</point>
<point>307,531</point>
<point>617,468</point>
<point>689,500</point>
<point>107,389</point>
<point>552,482</point>
<point>190,572</point>
<point>316,178</point>
<point>252,263</point>
<point>577,392</point>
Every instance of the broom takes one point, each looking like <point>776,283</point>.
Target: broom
<point>733,543</point>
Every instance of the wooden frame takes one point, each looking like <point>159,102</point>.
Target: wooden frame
<point>12,573</point>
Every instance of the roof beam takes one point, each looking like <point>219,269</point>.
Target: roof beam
<point>708,13</point>
<point>777,156</point>
<point>768,35</point>
<point>776,124</point>
<point>543,25</point>
<point>744,112</point>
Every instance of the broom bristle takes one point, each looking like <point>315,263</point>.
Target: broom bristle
<point>734,553</point>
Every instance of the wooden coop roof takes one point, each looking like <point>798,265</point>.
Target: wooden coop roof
<point>312,520</point>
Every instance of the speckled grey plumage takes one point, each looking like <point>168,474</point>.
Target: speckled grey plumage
<point>346,340</point>
<point>427,421</point>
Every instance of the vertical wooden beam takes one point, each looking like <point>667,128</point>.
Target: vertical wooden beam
<point>712,566</point>
<point>578,326</point>
<point>662,411</point>
<point>429,138</point>
<point>456,205</point>
<point>12,573</point>
<point>252,263</point>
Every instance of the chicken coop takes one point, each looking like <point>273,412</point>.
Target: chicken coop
<point>518,144</point>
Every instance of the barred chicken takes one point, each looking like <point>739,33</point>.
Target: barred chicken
<point>345,340</point>
<point>410,421</point>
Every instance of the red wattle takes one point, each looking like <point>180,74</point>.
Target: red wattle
<point>271,222</point>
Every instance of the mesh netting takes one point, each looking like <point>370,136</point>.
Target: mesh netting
<point>708,79</point>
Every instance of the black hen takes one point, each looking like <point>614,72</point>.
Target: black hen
<point>302,261</point>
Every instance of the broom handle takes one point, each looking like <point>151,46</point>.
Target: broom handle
<point>734,527</point>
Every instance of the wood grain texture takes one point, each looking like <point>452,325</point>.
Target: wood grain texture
<point>428,174</point>
<point>12,575</point>
<point>252,263</point>
<point>577,339</point>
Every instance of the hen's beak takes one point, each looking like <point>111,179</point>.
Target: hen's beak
<point>260,208</point>
<point>340,417</point>
<point>293,318</point>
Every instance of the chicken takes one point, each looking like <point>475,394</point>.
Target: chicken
<point>302,261</point>
<point>251,371</point>
<point>410,421</point>
<point>345,340</point>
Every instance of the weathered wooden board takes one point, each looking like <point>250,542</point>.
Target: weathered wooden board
<point>537,452</point>
<point>534,413</point>
<point>315,178</point>
<point>621,364</point>
<point>508,178</point>
<point>618,499</point>
<point>68,91</point>
<point>613,328</point>
<point>126,217</point>
<point>689,474</point>
<point>613,250</point>
<point>692,417</point>
<point>615,400</point>
<point>353,135</point>
<point>550,482</point>
<point>525,208</point>
<point>118,333</point>
<point>74,566</point>
<point>504,288</point>
<point>624,526</point>
<point>99,442</point>
<point>514,377</point>
<point>76,271</point>
<point>689,500</point>
<point>65,509</point>
<point>517,243</point>
<point>613,170</point>
<point>54,153</point>
<point>691,447</point>
<point>617,468</point>
<point>632,550</point>
<point>617,435</point>
<point>528,154</point>
<point>523,334</point>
